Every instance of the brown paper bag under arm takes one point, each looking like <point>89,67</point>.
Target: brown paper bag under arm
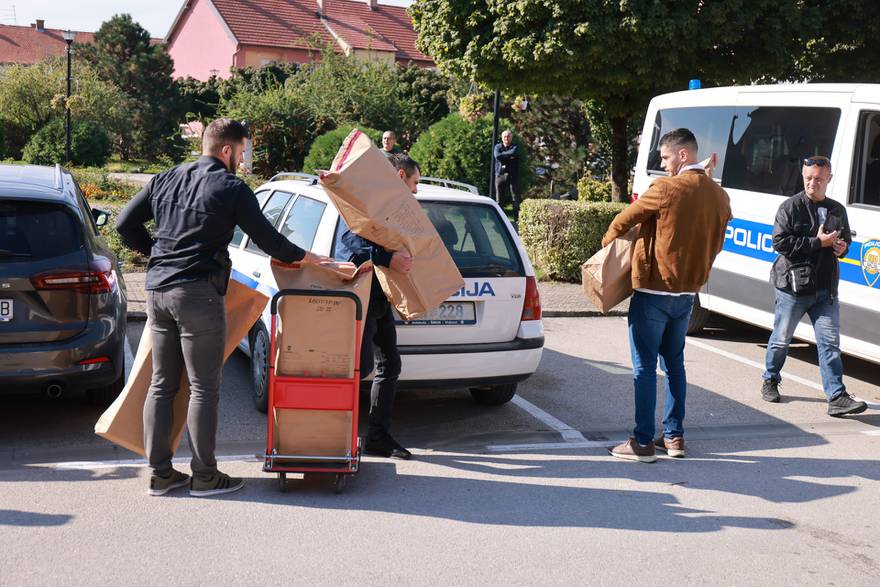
<point>378,206</point>
<point>315,336</point>
<point>607,275</point>
<point>123,422</point>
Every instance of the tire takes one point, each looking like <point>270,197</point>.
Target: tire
<point>260,348</point>
<point>104,396</point>
<point>699,316</point>
<point>494,395</point>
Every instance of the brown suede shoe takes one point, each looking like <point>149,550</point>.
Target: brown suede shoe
<point>631,451</point>
<point>673,447</point>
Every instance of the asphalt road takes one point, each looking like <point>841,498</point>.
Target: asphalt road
<point>522,493</point>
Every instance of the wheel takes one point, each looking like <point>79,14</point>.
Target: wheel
<point>260,349</point>
<point>282,482</point>
<point>699,316</point>
<point>494,395</point>
<point>104,396</point>
<point>339,483</point>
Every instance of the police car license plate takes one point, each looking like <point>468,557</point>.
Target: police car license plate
<point>456,313</point>
<point>5,310</point>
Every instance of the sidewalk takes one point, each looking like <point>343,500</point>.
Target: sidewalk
<point>557,300</point>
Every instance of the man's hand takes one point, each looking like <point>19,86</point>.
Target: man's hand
<point>839,247</point>
<point>827,238</point>
<point>315,259</point>
<point>401,261</point>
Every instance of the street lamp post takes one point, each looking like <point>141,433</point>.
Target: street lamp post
<point>68,38</point>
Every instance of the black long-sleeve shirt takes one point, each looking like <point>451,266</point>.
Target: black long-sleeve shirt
<point>196,207</point>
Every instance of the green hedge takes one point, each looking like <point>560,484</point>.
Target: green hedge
<point>560,235</point>
<point>325,147</point>
<point>89,144</point>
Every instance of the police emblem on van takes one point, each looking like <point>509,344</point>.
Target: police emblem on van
<point>870,254</point>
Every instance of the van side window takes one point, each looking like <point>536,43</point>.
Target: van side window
<point>768,143</point>
<point>867,164</point>
<point>710,124</point>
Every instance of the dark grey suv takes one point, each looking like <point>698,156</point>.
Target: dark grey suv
<point>62,298</point>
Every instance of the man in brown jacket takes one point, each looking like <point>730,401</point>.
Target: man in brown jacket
<point>683,218</point>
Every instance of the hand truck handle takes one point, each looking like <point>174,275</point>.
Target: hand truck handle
<point>321,293</point>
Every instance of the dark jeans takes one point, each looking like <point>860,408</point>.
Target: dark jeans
<point>824,312</point>
<point>379,348</point>
<point>502,183</point>
<point>188,328</point>
<point>657,327</point>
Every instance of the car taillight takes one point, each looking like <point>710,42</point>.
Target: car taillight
<point>532,304</point>
<point>633,197</point>
<point>99,277</point>
<point>94,361</point>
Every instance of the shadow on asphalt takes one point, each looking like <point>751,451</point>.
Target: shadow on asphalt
<point>32,519</point>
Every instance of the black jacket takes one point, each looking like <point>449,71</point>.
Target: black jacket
<point>794,238</point>
<point>506,159</point>
<point>196,207</point>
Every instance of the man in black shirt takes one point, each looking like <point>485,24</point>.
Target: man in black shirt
<point>196,207</point>
<point>810,233</point>
<point>507,171</point>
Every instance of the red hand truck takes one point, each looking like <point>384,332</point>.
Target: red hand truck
<point>314,395</point>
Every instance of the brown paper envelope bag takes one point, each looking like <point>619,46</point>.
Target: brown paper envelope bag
<point>378,206</point>
<point>607,276</point>
<point>123,424</point>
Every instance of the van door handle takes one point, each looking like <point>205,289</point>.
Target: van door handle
<point>256,273</point>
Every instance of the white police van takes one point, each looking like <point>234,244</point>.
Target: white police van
<point>761,135</point>
<point>487,337</point>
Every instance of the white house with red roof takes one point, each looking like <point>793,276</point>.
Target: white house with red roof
<point>209,37</point>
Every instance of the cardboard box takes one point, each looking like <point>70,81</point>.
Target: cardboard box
<point>312,432</point>
<point>378,206</point>
<point>123,424</point>
<point>316,334</point>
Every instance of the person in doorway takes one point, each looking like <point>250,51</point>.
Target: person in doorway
<point>683,219</point>
<point>196,207</point>
<point>810,233</point>
<point>379,345</point>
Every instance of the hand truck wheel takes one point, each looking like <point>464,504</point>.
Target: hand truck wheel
<point>282,482</point>
<point>339,483</point>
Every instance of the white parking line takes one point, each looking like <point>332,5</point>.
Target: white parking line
<point>871,432</point>
<point>759,366</point>
<point>137,463</point>
<point>568,433</point>
<point>554,445</point>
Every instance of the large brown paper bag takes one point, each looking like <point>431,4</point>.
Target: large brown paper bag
<point>123,422</point>
<point>607,275</point>
<point>316,335</point>
<point>378,206</point>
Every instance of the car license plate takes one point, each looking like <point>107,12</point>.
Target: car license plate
<point>455,313</point>
<point>5,310</point>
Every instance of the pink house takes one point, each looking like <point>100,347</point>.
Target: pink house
<point>209,37</point>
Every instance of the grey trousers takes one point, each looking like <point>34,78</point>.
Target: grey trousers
<point>188,328</point>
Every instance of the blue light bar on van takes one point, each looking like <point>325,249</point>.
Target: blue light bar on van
<point>694,84</point>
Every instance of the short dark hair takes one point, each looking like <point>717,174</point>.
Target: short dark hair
<point>222,131</point>
<point>680,138</point>
<point>405,162</point>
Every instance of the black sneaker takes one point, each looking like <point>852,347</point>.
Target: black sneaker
<point>220,484</point>
<point>845,404</point>
<point>386,446</point>
<point>162,485</point>
<point>770,391</point>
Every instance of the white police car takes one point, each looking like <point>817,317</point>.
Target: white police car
<point>487,337</point>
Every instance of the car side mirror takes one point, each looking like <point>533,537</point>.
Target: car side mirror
<point>100,216</point>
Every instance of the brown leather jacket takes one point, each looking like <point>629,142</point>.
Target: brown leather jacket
<point>683,220</point>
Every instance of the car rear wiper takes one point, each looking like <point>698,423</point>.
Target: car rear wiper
<point>8,253</point>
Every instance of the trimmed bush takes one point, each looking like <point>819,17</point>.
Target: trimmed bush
<point>560,235</point>
<point>89,144</point>
<point>326,146</point>
<point>593,190</point>
<point>460,150</point>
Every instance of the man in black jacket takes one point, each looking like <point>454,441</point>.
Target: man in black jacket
<point>811,231</point>
<point>380,334</point>
<point>196,208</point>
<point>507,171</point>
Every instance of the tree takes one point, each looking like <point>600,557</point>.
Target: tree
<point>123,55</point>
<point>426,90</point>
<point>89,144</point>
<point>620,53</point>
<point>325,147</point>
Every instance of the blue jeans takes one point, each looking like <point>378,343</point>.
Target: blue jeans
<point>824,312</point>
<point>657,327</point>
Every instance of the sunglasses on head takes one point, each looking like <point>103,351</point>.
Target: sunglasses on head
<point>810,161</point>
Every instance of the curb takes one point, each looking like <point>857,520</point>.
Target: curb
<point>581,313</point>
<point>137,316</point>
